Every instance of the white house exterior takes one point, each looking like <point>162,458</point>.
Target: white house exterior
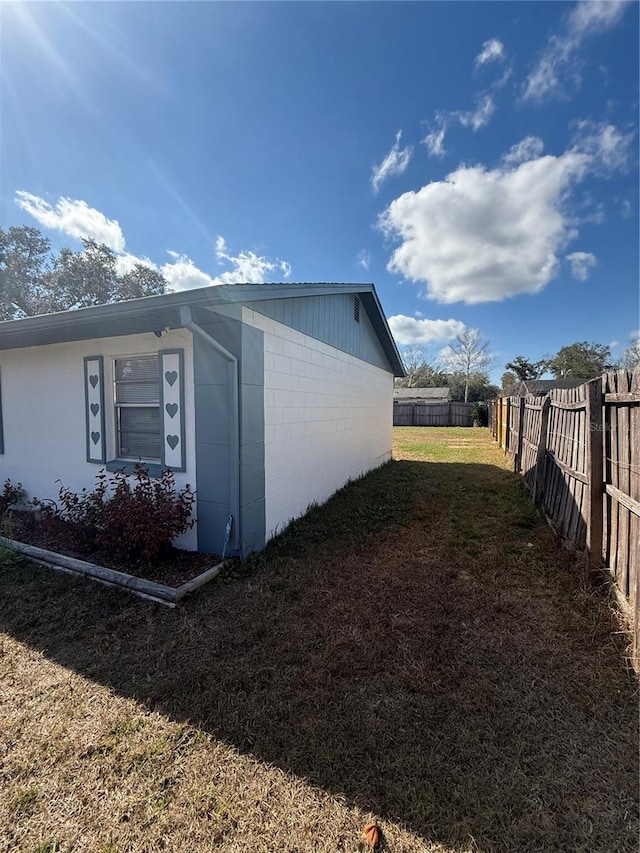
<point>264,398</point>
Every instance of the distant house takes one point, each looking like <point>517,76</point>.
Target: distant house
<point>540,387</point>
<point>421,395</point>
<point>264,398</point>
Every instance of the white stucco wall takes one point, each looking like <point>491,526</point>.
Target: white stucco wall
<point>43,410</point>
<point>328,418</point>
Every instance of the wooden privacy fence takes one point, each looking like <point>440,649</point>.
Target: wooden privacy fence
<point>432,414</point>
<point>578,450</point>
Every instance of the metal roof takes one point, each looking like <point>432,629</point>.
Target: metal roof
<point>151,313</point>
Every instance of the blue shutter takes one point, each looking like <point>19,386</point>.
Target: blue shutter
<point>172,409</point>
<point>94,409</point>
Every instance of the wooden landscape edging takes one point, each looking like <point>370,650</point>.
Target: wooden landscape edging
<point>160,593</point>
<point>578,450</point>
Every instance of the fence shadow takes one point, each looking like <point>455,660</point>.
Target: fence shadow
<point>444,673</point>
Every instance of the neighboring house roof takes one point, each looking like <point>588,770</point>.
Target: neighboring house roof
<point>542,386</point>
<point>152,313</point>
<point>429,394</point>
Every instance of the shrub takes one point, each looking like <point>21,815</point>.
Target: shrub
<point>11,494</point>
<point>480,414</point>
<point>129,514</point>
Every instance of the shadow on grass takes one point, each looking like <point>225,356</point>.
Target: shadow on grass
<point>420,644</point>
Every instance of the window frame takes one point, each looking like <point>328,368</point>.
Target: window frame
<point>117,407</point>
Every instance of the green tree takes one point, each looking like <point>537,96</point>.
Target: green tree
<point>24,257</point>
<point>580,361</point>
<point>476,386</point>
<point>470,355</point>
<point>525,369</point>
<point>35,281</point>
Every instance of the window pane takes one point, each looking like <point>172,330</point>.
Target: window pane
<point>140,367</point>
<point>140,432</point>
<point>137,392</point>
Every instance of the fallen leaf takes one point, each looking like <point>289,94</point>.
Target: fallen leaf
<point>372,834</point>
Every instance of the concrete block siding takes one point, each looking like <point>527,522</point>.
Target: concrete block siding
<point>327,418</point>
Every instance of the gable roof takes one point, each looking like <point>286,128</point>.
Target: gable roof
<point>421,393</point>
<point>150,313</point>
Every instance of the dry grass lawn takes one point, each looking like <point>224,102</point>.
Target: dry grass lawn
<point>419,650</point>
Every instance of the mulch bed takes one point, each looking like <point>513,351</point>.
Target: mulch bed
<point>173,568</point>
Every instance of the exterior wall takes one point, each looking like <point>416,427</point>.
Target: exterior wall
<point>327,418</point>
<point>43,406</point>
<point>329,319</point>
<point>213,431</point>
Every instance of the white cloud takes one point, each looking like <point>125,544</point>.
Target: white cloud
<point>74,218</point>
<point>492,50</point>
<point>247,267</point>
<point>364,259</point>
<point>434,140</point>
<point>481,116</point>
<point>126,263</point>
<point>527,149</point>
<point>613,344</point>
<point>634,335</point>
<point>182,274</point>
<point>394,163</point>
<point>409,330</point>
<point>559,62</point>
<point>581,264</point>
<point>476,119</point>
<point>608,146</point>
<point>483,235</point>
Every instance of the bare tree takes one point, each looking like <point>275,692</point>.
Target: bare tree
<point>468,356</point>
<point>631,357</point>
<point>421,373</point>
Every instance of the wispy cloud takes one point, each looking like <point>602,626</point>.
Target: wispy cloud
<point>527,149</point>
<point>559,64</point>
<point>364,259</point>
<point>480,116</point>
<point>609,146</point>
<point>73,217</point>
<point>395,163</point>
<point>492,51</point>
<point>581,264</point>
<point>409,330</point>
<point>434,140</point>
<point>247,266</point>
<point>78,220</point>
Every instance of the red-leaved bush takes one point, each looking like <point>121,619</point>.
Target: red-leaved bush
<point>131,514</point>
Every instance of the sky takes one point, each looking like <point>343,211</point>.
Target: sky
<point>476,161</point>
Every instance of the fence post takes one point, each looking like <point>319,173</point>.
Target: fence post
<point>595,461</point>
<point>517,459</point>
<point>507,437</point>
<point>542,449</point>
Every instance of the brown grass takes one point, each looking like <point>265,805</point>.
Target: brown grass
<point>420,651</point>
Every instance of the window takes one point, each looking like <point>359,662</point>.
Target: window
<point>137,404</point>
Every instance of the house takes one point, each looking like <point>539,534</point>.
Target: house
<point>264,398</point>
<point>421,395</point>
<point>540,387</point>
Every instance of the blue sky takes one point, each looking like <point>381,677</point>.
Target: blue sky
<point>477,161</point>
